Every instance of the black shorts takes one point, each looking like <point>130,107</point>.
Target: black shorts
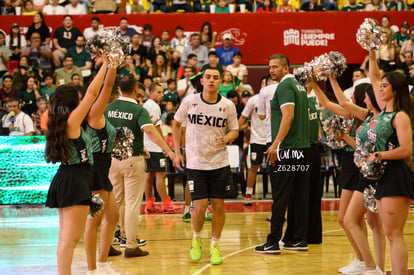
<point>156,162</point>
<point>204,184</point>
<point>257,153</point>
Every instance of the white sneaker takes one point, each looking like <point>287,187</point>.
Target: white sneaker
<point>357,269</point>
<point>106,268</point>
<point>376,271</point>
<point>93,272</point>
<point>351,264</point>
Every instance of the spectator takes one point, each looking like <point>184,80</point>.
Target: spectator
<point>160,71</point>
<point>408,45</point>
<point>170,94</point>
<point>29,96</point>
<point>202,5</point>
<point>21,74</point>
<point>170,109</point>
<point>196,48</point>
<point>238,70</point>
<point>227,84</point>
<point>356,75</point>
<point>147,37</point>
<point>18,122</point>
<point>124,30</point>
<point>159,5</point>
<point>331,5</point>
<point>7,8</point>
<point>156,48</point>
<point>54,9</point>
<point>15,41</point>
<point>191,62</point>
<point>39,26</point>
<point>400,37</point>
<point>181,5</point>
<point>213,62</point>
<point>7,91</point>
<point>81,58</point>
<point>222,7</point>
<point>147,84</point>
<point>386,56</point>
<point>40,4</point>
<point>375,5</point>
<point>75,8</point>
<point>225,53</point>
<point>178,43</point>
<point>63,39</point>
<point>64,74</point>
<point>391,5</point>
<point>5,54</point>
<point>130,68</point>
<point>29,8</point>
<point>353,6</point>
<point>405,66</point>
<point>165,40</point>
<point>38,53</point>
<point>268,6</point>
<point>386,27</point>
<point>184,86</point>
<point>312,5</point>
<point>138,52</point>
<point>41,103</point>
<point>93,29</point>
<point>49,87</point>
<point>207,36</point>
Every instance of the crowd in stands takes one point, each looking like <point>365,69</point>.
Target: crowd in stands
<point>33,65</point>
<point>63,7</point>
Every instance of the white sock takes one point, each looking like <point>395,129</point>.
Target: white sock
<point>196,234</point>
<point>186,208</point>
<point>101,264</point>
<point>249,190</point>
<point>214,241</point>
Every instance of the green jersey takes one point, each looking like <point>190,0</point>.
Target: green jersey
<point>126,112</point>
<point>80,149</point>
<point>313,120</point>
<point>289,92</point>
<point>102,139</point>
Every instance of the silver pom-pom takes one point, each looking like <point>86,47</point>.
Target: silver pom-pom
<point>117,47</point>
<point>96,205</point>
<point>369,34</point>
<point>321,67</point>
<point>369,199</point>
<point>123,144</point>
<point>333,126</point>
<point>373,169</point>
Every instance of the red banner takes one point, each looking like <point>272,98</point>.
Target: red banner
<point>301,35</point>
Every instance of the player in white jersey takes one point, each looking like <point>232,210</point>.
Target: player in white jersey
<point>257,143</point>
<point>211,122</point>
<point>156,162</point>
<point>263,108</point>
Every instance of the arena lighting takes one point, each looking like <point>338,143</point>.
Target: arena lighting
<point>24,174</point>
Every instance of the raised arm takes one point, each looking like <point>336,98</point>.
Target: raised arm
<point>354,109</point>
<point>78,115</point>
<point>96,118</point>
<point>325,102</point>
<point>374,72</point>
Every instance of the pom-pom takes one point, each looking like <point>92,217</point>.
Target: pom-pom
<point>369,199</point>
<point>96,205</point>
<point>123,143</point>
<point>321,66</point>
<point>369,34</point>
<point>333,126</point>
<point>372,169</point>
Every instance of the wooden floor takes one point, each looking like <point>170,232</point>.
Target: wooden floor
<point>28,240</point>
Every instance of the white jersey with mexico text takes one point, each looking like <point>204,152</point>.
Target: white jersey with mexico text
<point>257,126</point>
<point>263,107</point>
<point>204,122</point>
<point>154,111</point>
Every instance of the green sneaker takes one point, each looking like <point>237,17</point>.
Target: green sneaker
<point>186,217</point>
<point>195,252</point>
<point>208,217</point>
<point>215,255</point>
